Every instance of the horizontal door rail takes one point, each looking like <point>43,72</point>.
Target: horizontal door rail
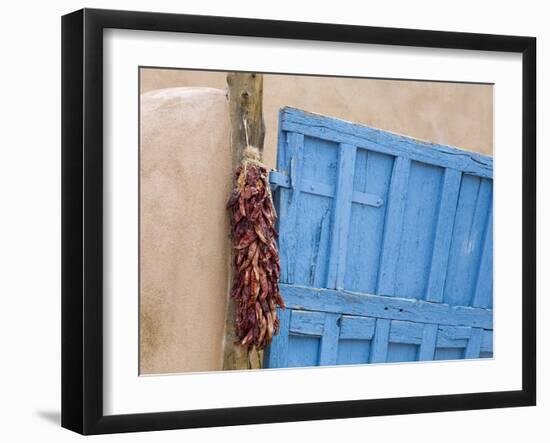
<point>278,179</point>
<point>392,308</point>
<point>362,328</point>
<point>341,131</point>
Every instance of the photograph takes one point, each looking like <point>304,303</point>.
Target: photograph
<point>301,220</point>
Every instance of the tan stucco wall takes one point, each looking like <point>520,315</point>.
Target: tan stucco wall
<point>185,176</point>
<point>455,114</point>
<point>185,180</point>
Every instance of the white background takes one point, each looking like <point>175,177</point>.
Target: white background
<point>30,222</point>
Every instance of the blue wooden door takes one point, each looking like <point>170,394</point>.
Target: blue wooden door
<point>386,246</point>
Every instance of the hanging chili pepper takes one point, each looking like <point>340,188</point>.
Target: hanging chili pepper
<point>255,254</point>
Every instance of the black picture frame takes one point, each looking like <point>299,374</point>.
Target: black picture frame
<point>82,216</point>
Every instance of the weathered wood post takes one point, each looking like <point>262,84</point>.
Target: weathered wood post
<point>245,104</point>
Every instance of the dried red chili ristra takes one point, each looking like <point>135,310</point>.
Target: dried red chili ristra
<point>255,254</point>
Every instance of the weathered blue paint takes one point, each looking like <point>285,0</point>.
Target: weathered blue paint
<point>295,143</point>
<point>386,246</point>
<point>474,344</point>
<point>377,140</point>
<point>483,297</point>
<point>443,235</point>
<point>373,173</point>
<point>329,341</point>
<point>428,343</point>
<point>379,306</point>
<point>357,328</point>
<point>277,353</point>
<point>467,242</point>
<point>379,352</point>
<point>393,227</point>
<point>277,179</point>
<point>341,212</point>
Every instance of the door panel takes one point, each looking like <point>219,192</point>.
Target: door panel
<point>353,352</point>
<point>419,225</point>
<point>386,246</point>
<point>372,175</point>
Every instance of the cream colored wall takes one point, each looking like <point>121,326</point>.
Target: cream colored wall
<point>185,176</point>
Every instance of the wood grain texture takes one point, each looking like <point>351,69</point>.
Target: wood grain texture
<point>341,212</point>
<point>357,328</point>
<point>393,228</point>
<point>295,152</point>
<point>419,220</point>
<point>277,353</point>
<point>310,187</point>
<point>329,342</point>
<point>443,234</point>
<point>245,93</point>
<point>387,245</point>
<point>474,344</point>
<point>428,343</point>
<point>307,322</point>
<point>473,208</point>
<point>483,296</point>
<point>372,174</point>
<point>379,306</point>
<point>379,351</point>
<point>341,131</point>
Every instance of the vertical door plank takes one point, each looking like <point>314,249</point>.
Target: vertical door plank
<point>456,291</point>
<point>329,341</point>
<point>380,342</point>
<point>477,235</point>
<point>474,344</point>
<point>418,232</point>
<point>443,235</point>
<point>465,253</point>
<point>429,339</point>
<point>484,287</point>
<point>394,226</point>
<point>341,213</point>
<point>288,234</point>
<point>278,349</point>
<point>373,175</point>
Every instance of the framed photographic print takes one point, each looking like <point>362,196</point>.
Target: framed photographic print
<point>270,221</point>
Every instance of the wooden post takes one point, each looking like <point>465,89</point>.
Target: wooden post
<point>245,104</point>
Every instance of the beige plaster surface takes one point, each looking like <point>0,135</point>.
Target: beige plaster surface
<point>455,114</point>
<point>185,177</point>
